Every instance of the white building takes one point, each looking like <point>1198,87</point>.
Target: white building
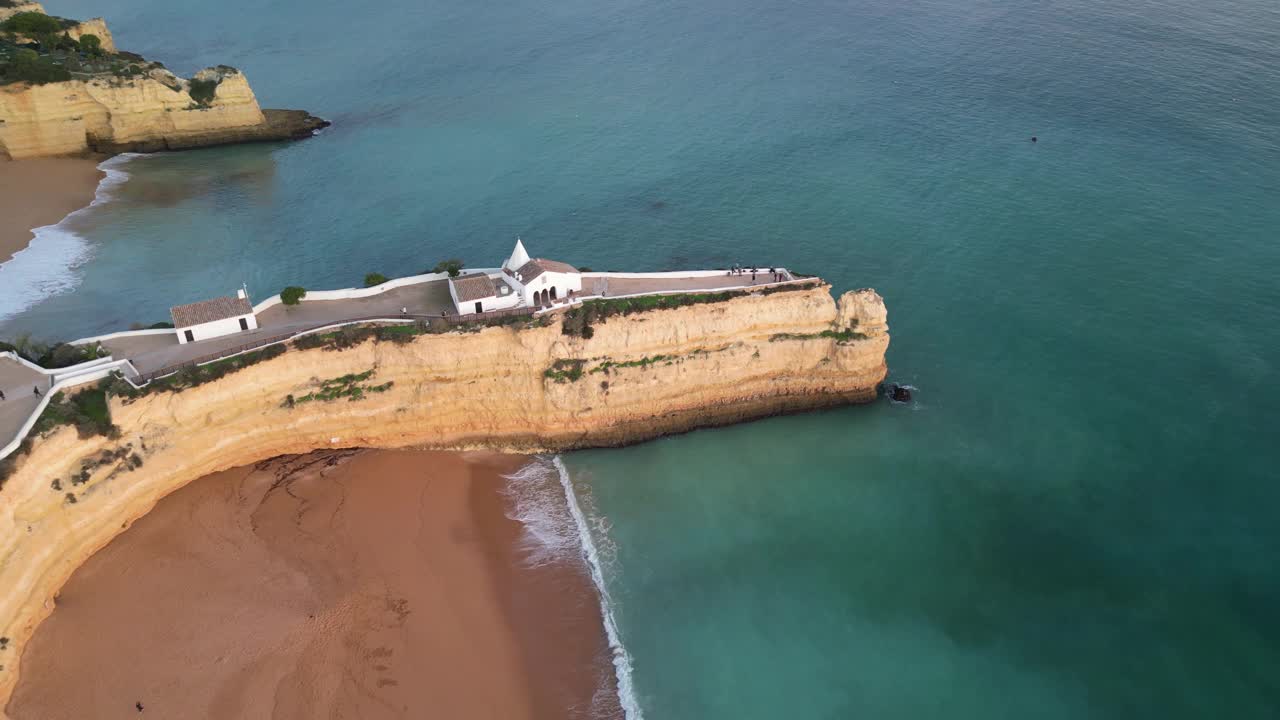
<point>478,292</point>
<point>541,281</point>
<point>523,282</point>
<point>213,318</point>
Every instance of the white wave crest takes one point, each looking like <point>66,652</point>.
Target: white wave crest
<point>556,528</point>
<point>49,264</point>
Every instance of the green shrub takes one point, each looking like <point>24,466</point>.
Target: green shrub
<point>86,410</point>
<point>90,44</point>
<point>63,355</point>
<point>292,294</point>
<point>203,91</point>
<point>160,326</point>
<point>579,319</point>
<point>31,23</point>
<point>28,66</point>
<point>565,370</point>
<point>453,266</point>
<point>373,279</point>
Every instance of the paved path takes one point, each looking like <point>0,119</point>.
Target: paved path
<point>150,353</point>
<point>429,298</point>
<point>633,286</point>
<point>17,381</point>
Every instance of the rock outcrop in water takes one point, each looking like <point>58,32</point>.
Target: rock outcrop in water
<point>527,389</point>
<point>138,107</point>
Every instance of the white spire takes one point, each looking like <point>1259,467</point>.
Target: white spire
<point>518,257</point>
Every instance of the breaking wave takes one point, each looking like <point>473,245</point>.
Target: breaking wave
<point>556,528</point>
<point>50,263</point>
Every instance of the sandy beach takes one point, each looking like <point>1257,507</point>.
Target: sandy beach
<point>352,584</point>
<point>41,192</point>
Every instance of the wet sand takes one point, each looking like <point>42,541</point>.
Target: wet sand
<point>39,192</point>
<point>343,584</point>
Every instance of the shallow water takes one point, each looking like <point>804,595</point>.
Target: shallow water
<point>1076,515</point>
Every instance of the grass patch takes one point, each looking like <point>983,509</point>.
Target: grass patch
<point>347,386</point>
<point>563,371</point>
<point>643,362</point>
<point>86,410</point>
<point>578,320</point>
<point>190,377</point>
<point>842,336</point>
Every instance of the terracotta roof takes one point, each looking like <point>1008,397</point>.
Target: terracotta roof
<point>473,287</point>
<point>209,311</point>
<point>537,266</point>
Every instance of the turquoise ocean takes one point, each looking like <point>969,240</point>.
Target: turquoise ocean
<point>1077,516</point>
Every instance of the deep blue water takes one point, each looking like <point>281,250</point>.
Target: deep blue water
<point>1076,518</point>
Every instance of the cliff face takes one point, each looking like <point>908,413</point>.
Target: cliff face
<point>642,375</point>
<point>7,12</point>
<point>94,26</point>
<point>141,114</point>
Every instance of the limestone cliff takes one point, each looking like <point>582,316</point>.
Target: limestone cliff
<point>10,11</point>
<point>94,26</point>
<point>124,104</point>
<point>638,376</point>
<point>139,114</point>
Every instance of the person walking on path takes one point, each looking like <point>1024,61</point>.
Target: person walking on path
<point>35,390</point>
<point>2,395</point>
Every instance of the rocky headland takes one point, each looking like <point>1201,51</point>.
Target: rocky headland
<point>65,90</point>
<point>531,387</point>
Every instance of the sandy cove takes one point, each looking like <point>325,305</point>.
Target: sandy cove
<point>39,192</point>
<point>722,362</point>
<point>369,584</point>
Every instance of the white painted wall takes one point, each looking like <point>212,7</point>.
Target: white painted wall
<point>562,282</point>
<point>512,299</point>
<point>351,293</point>
<point>218,328</point>
<point>70,380</point>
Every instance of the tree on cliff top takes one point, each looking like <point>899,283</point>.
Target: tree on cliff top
<point>27,66</point>
<point>292,294</point>
<point>31,23</point>
<point>453,266</point>
<point>91,44</point>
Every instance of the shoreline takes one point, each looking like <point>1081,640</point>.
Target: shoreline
<point>43,191</point>
<point>382,583</point>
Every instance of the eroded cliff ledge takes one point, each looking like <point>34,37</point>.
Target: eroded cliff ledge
<point>110,102</point>
<point>517,389</point>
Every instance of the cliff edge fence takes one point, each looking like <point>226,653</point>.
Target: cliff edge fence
<point>62,95</point>
<point>535,386</point>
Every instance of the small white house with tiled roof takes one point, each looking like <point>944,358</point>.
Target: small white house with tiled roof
<point>213,318</point>
<point>522,282</point>
<point>479,292</point>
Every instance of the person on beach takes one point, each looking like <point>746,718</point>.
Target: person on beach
<point>2,395</point>
<point>35,390</point>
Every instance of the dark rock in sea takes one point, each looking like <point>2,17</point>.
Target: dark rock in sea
<point>898,393</point>
<point>1034,139</point>
<point>280,125</point>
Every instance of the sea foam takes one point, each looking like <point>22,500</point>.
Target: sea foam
<point>556,528</point>
<point>49,264</point>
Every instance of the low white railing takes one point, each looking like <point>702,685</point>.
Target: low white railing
<point>357,293</point>
<point>82,376</point>
<point>123,334</point>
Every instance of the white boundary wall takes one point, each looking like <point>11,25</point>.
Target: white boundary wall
<point>81,375</point>
<point>354,293</point>
<point>745,289</point>
<point>672,274</point>
<point>123,333</point>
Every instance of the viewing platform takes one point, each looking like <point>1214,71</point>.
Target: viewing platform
<point>535,287</point>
